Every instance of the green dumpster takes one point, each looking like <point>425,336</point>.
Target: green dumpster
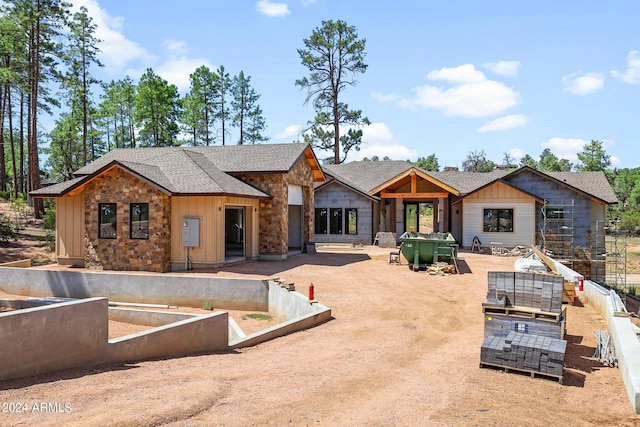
<point>422,249</point>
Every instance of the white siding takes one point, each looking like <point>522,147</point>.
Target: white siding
<point>523,223</point>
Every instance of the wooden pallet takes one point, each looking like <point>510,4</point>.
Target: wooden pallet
<point>524,312</point>
<point>533,374</point>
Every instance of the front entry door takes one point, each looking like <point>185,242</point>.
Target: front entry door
<point>234,223</point>
<point>419,217</point>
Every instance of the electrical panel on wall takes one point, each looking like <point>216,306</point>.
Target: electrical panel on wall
<point>190,232</point>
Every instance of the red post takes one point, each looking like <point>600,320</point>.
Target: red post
<point>311,293</point>
<point>581,284</point>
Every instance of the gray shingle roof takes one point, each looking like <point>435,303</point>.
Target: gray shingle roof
<point>193,170</point>
<point>366,176</point>
<point>466,182</point>
<point>227,158</point>
<point>593,183</point>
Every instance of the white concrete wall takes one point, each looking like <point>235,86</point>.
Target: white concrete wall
<point>196,335</point>
<point>184,290</point>
<point>53,337</point>
<point>625,341</point>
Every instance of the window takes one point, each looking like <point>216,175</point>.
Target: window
<point>351,221</point>
<point>498,220</point>
<point>554,213</point>
<point>107,221</point>
<point>335,221</point>
<point>139,220</point>
<point>321,220</point>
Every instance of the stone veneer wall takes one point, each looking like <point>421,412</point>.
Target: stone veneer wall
<point>124,253</point>
<point>274,213</point>
<point>301,174</point>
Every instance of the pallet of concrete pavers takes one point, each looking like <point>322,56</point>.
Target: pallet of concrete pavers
<point>500,321</point>
<point>538,290</point>
<point>533,354</point>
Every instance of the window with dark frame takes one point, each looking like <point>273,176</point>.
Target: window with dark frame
<point>139,221</point>
<point>498,220</point>
<point>554,213</point>
<point>335,221</point>
<point>107,221</point>
<point>351,220</point>
<point>321,220</point>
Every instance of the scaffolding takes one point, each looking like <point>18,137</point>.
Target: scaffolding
<point>557,228</point>
<point>609,258</point>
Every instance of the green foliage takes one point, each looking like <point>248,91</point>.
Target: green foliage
<point>527,160</point>
<point>207,305</point>
<point>49,222</point>
<point>157,109</point>
<point>198,115</point>
<point>476,161</point>
<point>630,221</point>
<point>223,101</point>
<point>115,115</point>
<point>257,316</point>
<point>549,162</point>
<point>593,157</point>
<point>6,230</point>
<point>429,163</point>
<point>5,195</point>
<point>247,114</point>
<point>334,56</point>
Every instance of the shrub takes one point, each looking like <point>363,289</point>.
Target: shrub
<point>50,219</point>
<point>6,231</point>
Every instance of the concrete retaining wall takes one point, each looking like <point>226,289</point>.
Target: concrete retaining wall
<point>199,334</point>
<point>147,317</point>
<point>624,338</point>
<point>53,337</point>
<point>291,306</point>
<point>79,337</point>
<point>227,293</point>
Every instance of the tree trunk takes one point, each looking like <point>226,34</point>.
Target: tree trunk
<point>3,169</point>
<point>34,161</point>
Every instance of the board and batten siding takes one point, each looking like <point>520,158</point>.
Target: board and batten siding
<point>338,196</point>
<point>211,211</point>
<point>70,229</point>
<point>499,196</point>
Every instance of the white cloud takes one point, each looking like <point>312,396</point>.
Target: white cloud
<point>565,148</point>
<point>615,161</point>
<point>289,132</point>
<point>117,50</point>
<point>504,68</point>
<point>385,97</point>
<point>177,70</point>
<point>472,95</point>
<point>580,83</point>
<point>632,73</point>
<point>376,132</point>
<point>466,73</point>
<point>272,10</point>
<point>504,123</point>
<point>517,153</point>
<point>177,47</point>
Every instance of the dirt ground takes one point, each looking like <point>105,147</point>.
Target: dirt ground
<point>402,348</point>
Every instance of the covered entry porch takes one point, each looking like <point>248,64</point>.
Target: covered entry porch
<point>414,201</point>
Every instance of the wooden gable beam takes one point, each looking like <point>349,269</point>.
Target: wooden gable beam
<point>413,195</point>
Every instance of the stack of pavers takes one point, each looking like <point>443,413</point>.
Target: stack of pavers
<point>525,323</point>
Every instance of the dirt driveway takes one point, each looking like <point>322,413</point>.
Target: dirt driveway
<point>403,349</point>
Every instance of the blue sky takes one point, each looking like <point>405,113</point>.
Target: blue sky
<point>444,78</point>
